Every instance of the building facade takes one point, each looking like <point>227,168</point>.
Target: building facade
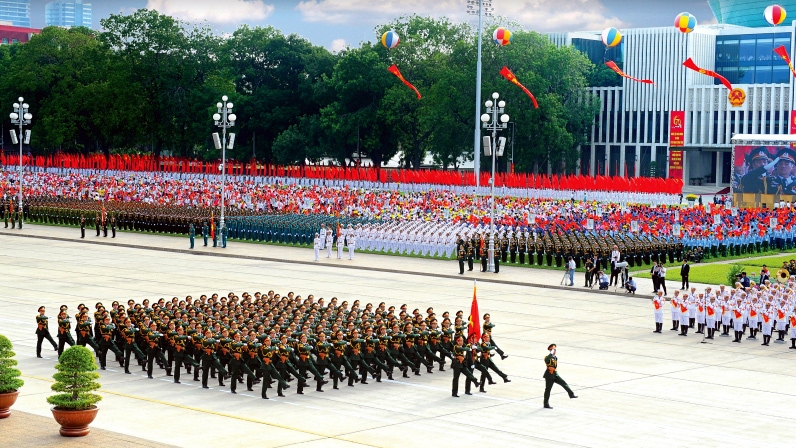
<point>632,135</point>
<point>68,13</point>
<point>15,13</point>
<point>16,34</point>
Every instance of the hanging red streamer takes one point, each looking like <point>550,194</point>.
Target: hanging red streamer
<point>783,53</point>
<point>690,64</point>
<point>394,70</point>
<point>612,65</point>
<point>506,73</point>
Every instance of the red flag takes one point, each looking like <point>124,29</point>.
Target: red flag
<point>689,63</point>
<point>612,65</point>
<point>104,215</point>
<point>394,70</point>
<point>783,53</point>
<point>212,226</point>
<point>506,73</point>
<point>474,325</point>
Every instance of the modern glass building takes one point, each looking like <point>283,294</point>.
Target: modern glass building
<point>746,12</point>
<point>67,13</point>
<point>15,12</point>
<point>631,134</point>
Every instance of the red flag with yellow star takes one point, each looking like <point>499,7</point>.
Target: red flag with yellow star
<point>506,73</point>
<point>783,53</point>
<point>474,324</point>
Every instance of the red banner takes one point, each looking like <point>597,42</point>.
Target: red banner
<point>793,125</point>
<point>677,128</point>
<point>612,65</point>
<point>783,53</point>
<point>507,73</point>
<point>676,164</point>
<point>394,70</point>
<point>690,64</point>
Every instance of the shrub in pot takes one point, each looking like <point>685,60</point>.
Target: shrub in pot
<point>74,407</point>
<point>9,377</point>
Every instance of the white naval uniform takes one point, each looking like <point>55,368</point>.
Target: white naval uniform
<point>329,245</point>
<point>322,236</point>
<point>352,245</point>
<point>316,245</point>
<point>340,245</point>
<point>657,302</point>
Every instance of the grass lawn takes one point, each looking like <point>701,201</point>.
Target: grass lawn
<point>712,274</point>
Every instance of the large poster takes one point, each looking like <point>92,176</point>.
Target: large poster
<point>676,128</point>
<point>766,170</point>
<point>676,164</point>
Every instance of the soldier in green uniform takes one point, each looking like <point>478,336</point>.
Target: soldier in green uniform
<point>460,365</point>
<point>204,232</point>
<point>461,254</point>
<point>181,356</point>
<point>237,363</point>
<point>209,358</point>
<point>551,376</point>
<point>42,332</point>
<point>64,332</point>
<point>191,233</point>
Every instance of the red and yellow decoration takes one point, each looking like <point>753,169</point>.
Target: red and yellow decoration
<point>783,53</point>
<point>394,70</point>
<point>689,63</point>
<point>775,15</point>
<point>685,22</point>
<point>506,73</point>
<point>612,65</point>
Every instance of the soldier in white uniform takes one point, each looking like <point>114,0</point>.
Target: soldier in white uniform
<point>316,245</point>
<point>351,240</point>
<point>738,314</point>
<point>329,240</point>
<point>657,301</point>
<point>711,307</point>
<point>340,244</point>
<point>322,234</point>
<point>676,310</point>
<point>767,319</point>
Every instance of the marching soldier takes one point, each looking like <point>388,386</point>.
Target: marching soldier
<point>64,332</point>
<point>42,332</point>
<point>551,376</point>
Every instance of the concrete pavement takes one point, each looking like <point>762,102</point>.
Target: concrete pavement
<point>635,388</point>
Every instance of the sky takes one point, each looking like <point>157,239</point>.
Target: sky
<point>335,24</point>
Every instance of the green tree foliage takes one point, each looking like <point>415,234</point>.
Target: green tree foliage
<point>9,374</point>
<point>149,83</point>
<point>76,379</point>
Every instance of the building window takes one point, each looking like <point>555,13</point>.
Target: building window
<point>750,58</point>
<point>5,41</point>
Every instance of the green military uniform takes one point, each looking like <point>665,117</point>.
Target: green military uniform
<point>551,377</point>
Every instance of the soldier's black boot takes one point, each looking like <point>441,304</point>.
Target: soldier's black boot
<point>674,326</point>
<point>691,322</point>
<point>683,329</point>
<point>792,344</point>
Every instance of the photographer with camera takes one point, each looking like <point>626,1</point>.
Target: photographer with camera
<point>571,271</point>
<point>630,286</point>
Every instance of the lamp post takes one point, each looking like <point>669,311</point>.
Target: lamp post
<point>224,119</point>
<point>480,8</point>
<point>20,116</point>
<point>491,122</point>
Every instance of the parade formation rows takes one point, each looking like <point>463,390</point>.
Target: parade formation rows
<point>269,338</point>
<point>417,221</point>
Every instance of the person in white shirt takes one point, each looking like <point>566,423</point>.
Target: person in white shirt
<point>351,240</point>
<point>571,271</point>
<point>662,279</point>
<point>322,235</point>
<point>316,245</point>
<point>340,245</point>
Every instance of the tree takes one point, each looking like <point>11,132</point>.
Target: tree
<point>9,374</point>
<point>277,77</point>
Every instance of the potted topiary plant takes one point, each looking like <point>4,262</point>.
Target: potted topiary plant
<point>74,407</point>
<point>9,377</point>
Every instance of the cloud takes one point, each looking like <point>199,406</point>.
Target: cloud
<point>214,11</point>
<point>338,45</point>
<point>537,15</point>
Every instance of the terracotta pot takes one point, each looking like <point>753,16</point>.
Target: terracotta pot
<point>6,401</point>
<point>75,423</point>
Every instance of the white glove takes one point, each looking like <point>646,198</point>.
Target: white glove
<point>771,164</point>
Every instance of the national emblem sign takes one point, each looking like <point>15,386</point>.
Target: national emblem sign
<point>737,97</point>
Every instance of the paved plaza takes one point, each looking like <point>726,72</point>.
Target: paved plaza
<point>635,388</point>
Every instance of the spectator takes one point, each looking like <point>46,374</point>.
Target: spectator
<point>630,285</point>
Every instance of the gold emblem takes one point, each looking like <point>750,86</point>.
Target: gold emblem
<point>737,97</point>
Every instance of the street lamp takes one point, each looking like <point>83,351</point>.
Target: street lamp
<point>20,116</point>
<point>480,8</point>
<point>224,119</point>
<point>493,120</point>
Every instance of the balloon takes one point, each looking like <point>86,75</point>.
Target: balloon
<point>775,14</point>
<point>502,36</point>
<point>685,22</point>
<point>390,39</point>
<point>611,37</point>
